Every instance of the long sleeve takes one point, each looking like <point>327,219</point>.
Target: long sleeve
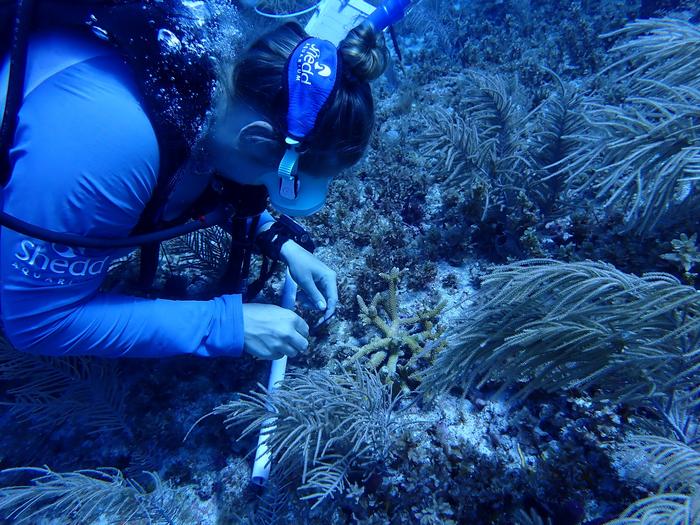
<point>265,218</point>
<point>85,161</point>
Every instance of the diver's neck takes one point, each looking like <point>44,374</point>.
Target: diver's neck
<point>218,146</point>
<point>212,153</point>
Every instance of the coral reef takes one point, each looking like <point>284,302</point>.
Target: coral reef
<point>565,390</point>
<point>407,344</point>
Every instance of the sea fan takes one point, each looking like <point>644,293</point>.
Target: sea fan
<point>642,156</point>
<point>560,131</point>
<point>47,391</point>
<point>326,424</point>
<point>665,50</point>
<point>662,509</point>
<point>205,250</point>
<point>561,127</point>
<point>85,495</point>
<point>482,150</point>
<point>556,325</point>
<point>679,464</point>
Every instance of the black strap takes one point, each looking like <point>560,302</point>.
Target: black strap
<point>217,216</point>
<point>249,202</point>
<point>15,88</point>
<point>235,278</point>
<point>270,242</point>
<point>267,269</point>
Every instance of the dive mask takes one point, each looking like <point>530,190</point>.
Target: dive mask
<point>312,74</point>
<point>293,192</point>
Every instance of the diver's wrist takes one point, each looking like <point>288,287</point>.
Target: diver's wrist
<point>288,249</point>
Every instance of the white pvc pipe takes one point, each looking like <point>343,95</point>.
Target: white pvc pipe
<point>261,466</point>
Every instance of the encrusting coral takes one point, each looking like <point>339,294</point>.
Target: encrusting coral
<point>418,335</point>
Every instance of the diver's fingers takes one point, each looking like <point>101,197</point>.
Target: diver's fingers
<point>301,327</point>
<point>309,286</point>
<point>297,344</point>
<point>329,285</point>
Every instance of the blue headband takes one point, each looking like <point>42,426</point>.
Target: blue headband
<point>312,72</point>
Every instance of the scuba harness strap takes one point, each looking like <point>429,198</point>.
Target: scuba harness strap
<point>250,202</point>
<point>15,88</point>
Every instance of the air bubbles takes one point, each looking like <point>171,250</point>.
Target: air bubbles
<point>198,10</point>
<point>102,34</point>
<point>168,41</point>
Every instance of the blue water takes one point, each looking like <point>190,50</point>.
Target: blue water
<point>517,339</point>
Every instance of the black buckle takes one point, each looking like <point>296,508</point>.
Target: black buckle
<point>284,229</point>
<point>297,233</point>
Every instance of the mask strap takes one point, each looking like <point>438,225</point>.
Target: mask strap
<point>287,170</point>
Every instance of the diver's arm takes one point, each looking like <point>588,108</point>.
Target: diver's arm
<point>114,325</point>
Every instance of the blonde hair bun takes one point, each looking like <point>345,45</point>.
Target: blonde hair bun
<point>364,53</point>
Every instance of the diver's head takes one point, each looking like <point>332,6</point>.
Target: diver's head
<point>259,121</point>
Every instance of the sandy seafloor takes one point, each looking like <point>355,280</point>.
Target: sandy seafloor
<point>468,457</point>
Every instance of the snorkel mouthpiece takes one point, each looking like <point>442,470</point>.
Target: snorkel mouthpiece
<point>388,13</point>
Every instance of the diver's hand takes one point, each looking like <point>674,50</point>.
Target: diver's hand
<point>315,278</point>
<point>270,332</point>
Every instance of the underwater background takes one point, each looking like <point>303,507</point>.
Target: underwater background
<point>518,339</point>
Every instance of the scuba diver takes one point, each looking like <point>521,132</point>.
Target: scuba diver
<point>85,185</point>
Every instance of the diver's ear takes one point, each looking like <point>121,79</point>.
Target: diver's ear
<point>260,141</point>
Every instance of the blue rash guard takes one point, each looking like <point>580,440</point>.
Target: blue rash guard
<point>85,161</point>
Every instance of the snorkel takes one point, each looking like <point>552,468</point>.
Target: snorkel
<point>388,13</point>
<point>313,72</point>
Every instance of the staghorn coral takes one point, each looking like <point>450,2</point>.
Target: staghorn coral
<point>413,338</point>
